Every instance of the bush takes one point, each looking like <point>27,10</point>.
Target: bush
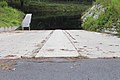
<point>10,17</point>
<point>109,19</point>
<point>3,4</point>
<point>89,25</point>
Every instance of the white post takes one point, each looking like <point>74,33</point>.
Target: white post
<point>26,22</point>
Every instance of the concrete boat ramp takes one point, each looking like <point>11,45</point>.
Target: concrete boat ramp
<point>58,43</point>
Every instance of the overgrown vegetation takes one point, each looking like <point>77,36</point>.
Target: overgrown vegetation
<point>108,19</point>
<point>9,16</point>
<point>51,8</point>
<point>55,9</point>
<point>53,14</point>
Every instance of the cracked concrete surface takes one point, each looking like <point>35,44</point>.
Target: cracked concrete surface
<point>95,45</point>
<point>58,43</point>
<point>21,43</point>
<point>58,46</point>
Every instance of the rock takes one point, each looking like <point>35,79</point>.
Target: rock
<point>94,12</point>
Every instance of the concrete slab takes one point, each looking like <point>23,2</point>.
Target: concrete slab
<point>95,45</point>
<point>5,29</point>
<point>1,29</point>
<point>21,43</point>
<point>58,45</point>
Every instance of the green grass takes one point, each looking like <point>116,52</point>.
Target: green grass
<point>47,6</point>
<point>10,16</point>
<point>110,18</point>
<point>51,9</point>
<point>113,3</point>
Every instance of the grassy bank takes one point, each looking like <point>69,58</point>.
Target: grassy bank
<point>48,8</point>
<point>53,13</point>
<point>9,16</point>
<point>108,19</point>
<point>57,15</point>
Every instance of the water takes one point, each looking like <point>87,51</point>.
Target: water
<point>58,22</point>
